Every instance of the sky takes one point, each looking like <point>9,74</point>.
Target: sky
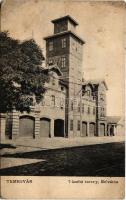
<point>101,25</point>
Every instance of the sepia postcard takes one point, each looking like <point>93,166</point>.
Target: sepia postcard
<point>62,108</point>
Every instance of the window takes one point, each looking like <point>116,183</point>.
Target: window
<point>88,110</point>
<point>88,93</point>
<point>63,43</point>
<point>79,107</point>
<point>53,80</point>
<point>78,125</point>
<point>102,97</point>
<point>62,88</point>
<point>82,107</point>
<point>94,97</point>
<point>61,103</point>
<point>94,111</point>
<point>71,105</point>
<point>63,62</point>
<point>100,111</point>
<point>71,124</point>
<point>83,92</point>
<point>53,100</point>
<point>103,113</point>
<point>50,45</point>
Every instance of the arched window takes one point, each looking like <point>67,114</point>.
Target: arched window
<point>88,93</point>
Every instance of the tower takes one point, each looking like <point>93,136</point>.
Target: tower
<point>64,48</point>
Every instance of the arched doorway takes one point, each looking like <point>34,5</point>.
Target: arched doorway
<point>44,127</point>
<point>102,129</point>
<point>92,129</point>
<point>112,130</point>
<point>59,128</point>
<point>26,126</point>
<point>84,129</point>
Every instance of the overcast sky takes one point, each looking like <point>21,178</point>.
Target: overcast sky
<point>101,25</point>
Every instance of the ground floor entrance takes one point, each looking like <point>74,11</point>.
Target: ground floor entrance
<point>59,128</point>
<point>111,130</point>
<point>102,129</point>
<point>84,129</point>
<point>34,126</point>
<point>44,127</point>
<point>92,129</point>
<point>26,126</point>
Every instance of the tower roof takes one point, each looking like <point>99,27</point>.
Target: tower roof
<point>65,33</point>
<point>65,17</point>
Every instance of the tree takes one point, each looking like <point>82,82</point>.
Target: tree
<point>22,78</point>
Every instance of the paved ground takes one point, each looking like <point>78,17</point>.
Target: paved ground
<point>13,162</point>
<point>91,160</point>
<point>27,145</point>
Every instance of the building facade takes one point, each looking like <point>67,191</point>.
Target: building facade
<point>71,106</point>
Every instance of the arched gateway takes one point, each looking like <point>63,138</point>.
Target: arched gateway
<point>59,128</point>
<point>92,129</point>
<point>84,129</point>
<point>44,127</point>
<point>26,126</point>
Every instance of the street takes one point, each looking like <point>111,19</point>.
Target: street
<point>93,160</point>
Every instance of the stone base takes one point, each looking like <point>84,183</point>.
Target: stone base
<point>36,136</point>
<point>2,126</point>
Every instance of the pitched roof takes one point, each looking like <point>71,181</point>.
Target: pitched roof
<point>95,82</point>
<point>113,119</point>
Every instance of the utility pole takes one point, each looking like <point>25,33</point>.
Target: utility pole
<point>81,112</point>
<point>74,111</point>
